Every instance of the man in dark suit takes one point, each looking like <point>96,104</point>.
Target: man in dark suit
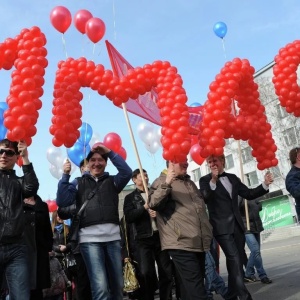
<point>220,191</point>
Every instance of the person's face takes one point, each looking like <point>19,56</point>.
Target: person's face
<point>84,168</point>
<point>59,220</point>
<point>216,162</point>
<point>97,165</point>
<point>139,182</point>
<point>179,168</point>
<point>8,158</point>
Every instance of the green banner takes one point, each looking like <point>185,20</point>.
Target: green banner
<point>276,212</point>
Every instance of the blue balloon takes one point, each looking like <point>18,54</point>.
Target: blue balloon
<point>3,129</point>
<point>78,152</point>
<point>86,133</point>
<point>4,106</point>
<point>195,104</point>
<point>220,29</point>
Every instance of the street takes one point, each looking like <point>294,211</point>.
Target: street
<point>282,264</point>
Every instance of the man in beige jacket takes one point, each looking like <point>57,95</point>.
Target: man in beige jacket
<point>183,226</point>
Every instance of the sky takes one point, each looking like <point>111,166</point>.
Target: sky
<point>178,31</point>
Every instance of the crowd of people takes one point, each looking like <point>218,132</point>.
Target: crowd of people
<point>171,230</point>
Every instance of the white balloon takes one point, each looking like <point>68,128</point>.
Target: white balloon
<point>145,132</point>
<point>153,147</point>
<point>52,154</point>
<point>158,136</point>
<point>55,172</point>
<point>95,139</point>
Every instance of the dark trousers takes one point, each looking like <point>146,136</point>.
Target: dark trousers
<point>149,253</point>
<point>83,288</point>
<point>190,266</point>
<point>233,247</point>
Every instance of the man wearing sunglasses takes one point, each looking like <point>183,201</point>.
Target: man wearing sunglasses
<point>13,190</point>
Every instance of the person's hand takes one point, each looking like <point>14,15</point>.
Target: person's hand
<point>69,283</point>
<point>214,174</point>
<point>101,149</point>
<point>126,259</point>
<point>22,149</point>
<point>30,201</point>
<point>152,213</point>
<point>67,167</point>
<point>170,174</point>
<point>269,178</point>
<point>62,248</point>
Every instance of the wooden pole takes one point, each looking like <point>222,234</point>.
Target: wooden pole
<point>135,150</point>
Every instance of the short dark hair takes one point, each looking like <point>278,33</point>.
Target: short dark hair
<point>136,172</point>
<point>293,155</point>
<point>92,152</point>
<point>9,144</point>
<point>82,163</point>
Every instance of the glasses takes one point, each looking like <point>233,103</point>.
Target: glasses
<point>9,153</point>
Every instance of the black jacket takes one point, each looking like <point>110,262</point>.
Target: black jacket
<point>13,190</point>
<point>136,214</point>
<point>223,210</point>
<point>39,239</point>
<point>254,207</point>
<point>103,204</point>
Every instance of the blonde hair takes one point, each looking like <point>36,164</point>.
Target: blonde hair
<point>54,223</point>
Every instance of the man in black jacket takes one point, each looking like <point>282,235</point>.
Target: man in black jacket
<point>13,190</point>
<point>138,213</point>
<point>220,191</point>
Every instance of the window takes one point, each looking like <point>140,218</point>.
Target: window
<point>229,162</point>
<point>290,136</point>
<point>251,178</point>
<point>281,112</point>
<point>246,154</point>
<point>196,174</point>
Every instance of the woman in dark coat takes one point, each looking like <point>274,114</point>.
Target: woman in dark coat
<point>39,238</point>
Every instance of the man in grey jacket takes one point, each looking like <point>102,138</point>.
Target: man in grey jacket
<point>183,226</point>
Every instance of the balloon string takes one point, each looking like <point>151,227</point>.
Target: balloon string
<point>64,44</point>
<point>223,44</point>
<point>114,17</point>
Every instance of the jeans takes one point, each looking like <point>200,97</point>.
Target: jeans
<point>104,266</point>
<point>13,265</point>
<point>213,281</point>
<point>255,260</point>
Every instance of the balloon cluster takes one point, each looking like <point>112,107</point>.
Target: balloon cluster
<point>81,148</point>
<point>285,77</point>
<point>235,81</point>
<point>26,52</point>
<point>84,22</point>
<point>73,74</point>
<point>150,136</point>
<point>56,159</point>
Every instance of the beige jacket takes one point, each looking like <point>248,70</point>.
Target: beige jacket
<point>181,214</point>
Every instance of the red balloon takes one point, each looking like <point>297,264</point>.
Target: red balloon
<point>60,18</point>
<point>80,19</point>
<point>95,29</point>
<point>19,161</point>
<point>112,141</point>
<point>52,206</point>
<point>195,154</point>
<point>122,152</point>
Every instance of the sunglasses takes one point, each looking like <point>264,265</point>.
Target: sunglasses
<point>9,153</point>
